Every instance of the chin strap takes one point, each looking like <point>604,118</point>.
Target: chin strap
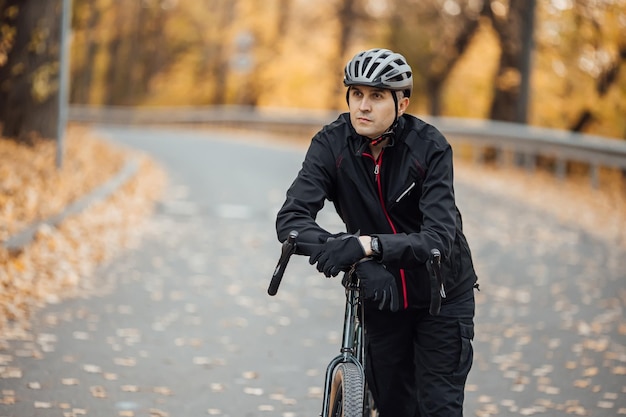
<point>387,135</point>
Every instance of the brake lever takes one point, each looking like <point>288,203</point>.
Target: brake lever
<point>437,290</point>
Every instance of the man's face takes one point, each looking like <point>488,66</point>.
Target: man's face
<point>372,109</point>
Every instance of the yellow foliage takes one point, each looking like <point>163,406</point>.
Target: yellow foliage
<point>31,186</point>
<point>469,89</point>
<point>293,56</point>
<point>45,81</point>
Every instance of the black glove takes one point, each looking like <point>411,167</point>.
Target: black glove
<point>378,284</point>
<point>338,254</point>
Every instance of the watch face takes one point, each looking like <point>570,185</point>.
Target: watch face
<point>374,245</point>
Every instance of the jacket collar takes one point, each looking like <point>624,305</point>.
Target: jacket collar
<point>359,144</point>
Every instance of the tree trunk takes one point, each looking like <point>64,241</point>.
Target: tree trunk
<point>433,90</point>
<point>112,72</point>
<point>348,18</point>
<point>436,81</point>
<point>219,65</point>
<point>433,41</point>
<point>30,77</point>
<point>514,67</point>
<point>82,77</point>
<point>507,85</point>
<point>606,79</point>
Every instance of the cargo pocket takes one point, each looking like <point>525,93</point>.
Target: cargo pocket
<point>466,357</point>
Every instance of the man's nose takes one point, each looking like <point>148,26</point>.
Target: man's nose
<point>364,104</point>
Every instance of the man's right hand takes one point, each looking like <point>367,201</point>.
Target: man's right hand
<point>378,284</point>
<point>337,254</point>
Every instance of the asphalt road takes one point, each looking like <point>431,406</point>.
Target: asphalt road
<point>183,327</point>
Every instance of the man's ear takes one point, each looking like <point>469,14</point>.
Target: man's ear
<point>403,104</point>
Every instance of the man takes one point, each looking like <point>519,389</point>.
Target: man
<point>390,178</point>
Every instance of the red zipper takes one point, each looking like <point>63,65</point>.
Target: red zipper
<point>377,164</point>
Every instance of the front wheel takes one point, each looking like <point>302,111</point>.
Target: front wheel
<point>346,394</point>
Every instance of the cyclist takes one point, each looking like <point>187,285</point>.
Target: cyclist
<point>390,178</point>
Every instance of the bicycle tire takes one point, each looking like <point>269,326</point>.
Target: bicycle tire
<point>346,394</point>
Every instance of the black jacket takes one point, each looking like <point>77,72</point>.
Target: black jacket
<point>406,198</point>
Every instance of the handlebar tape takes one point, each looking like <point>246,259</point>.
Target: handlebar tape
<point>288,249</point>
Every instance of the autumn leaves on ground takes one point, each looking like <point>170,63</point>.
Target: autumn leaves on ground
<point>59,261</point>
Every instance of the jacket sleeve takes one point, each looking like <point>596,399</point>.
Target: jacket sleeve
<point>439,213</point>
<point>307,194</point>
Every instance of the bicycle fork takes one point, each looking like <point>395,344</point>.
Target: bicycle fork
<point>351,346</point>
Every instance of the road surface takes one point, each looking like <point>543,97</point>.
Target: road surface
<point>183,327</point>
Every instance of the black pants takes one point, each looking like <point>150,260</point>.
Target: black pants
<point>417,364</point>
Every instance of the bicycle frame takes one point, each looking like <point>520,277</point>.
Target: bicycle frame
<point>353,340</point>
<point>352,346</point>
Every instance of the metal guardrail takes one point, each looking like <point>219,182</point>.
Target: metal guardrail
<point>562,146</point>
<point>595,151</point>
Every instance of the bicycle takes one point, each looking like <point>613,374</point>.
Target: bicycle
<point>346,393</point>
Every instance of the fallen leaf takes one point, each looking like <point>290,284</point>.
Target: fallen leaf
<point>92,369</point>
<point>69,381</point>
<point>619,370</point>
<point>217,387</point>
<point>98,391</point>
<point>253,391</point>
<point>125,361</point>
<point>162,390</point>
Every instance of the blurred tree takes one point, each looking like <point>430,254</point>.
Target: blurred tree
<point>511,22</point>
<point>607,77</point>
<point>579,81</point>
<point>216,60</point>
<point>85,16</point>
<point>194,48</point>
<point>467,54</point>
<point>29,76</point>
<point>137,43</point>
<point>350,15</point>
<point>604,56</point>
<point>292,67</point>
<point>435,34</point>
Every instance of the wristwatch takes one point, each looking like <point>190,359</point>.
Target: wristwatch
<point>375,247</point>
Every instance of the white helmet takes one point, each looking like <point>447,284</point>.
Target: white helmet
<point>379,68</point>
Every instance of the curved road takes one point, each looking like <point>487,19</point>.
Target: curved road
<point>182,326</point>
